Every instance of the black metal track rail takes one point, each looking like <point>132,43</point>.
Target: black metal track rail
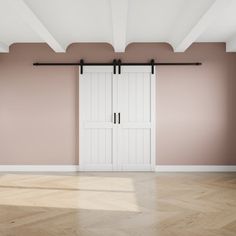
<point>122,64</point>
<point>118,63</point>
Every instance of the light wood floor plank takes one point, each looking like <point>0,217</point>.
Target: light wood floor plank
<point>118,204</point>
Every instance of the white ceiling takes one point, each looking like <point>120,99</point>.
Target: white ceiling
<point>118,22</point>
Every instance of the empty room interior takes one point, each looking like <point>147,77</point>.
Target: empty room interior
<point>117,118</point>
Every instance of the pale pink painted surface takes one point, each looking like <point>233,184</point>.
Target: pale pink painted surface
<point>195,105</point>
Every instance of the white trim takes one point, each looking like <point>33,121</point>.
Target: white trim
<point>119,15</point>
<point>69,168</point>
<point>231,44</point>
<point>22,9</point>
<point>213,12</point>
<point>195,168</point>
<point>159,168</point>
<point>39,168</point>
<point>4,48</point>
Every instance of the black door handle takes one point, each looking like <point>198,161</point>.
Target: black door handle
<point>114,118</point>
<point>119,118</point>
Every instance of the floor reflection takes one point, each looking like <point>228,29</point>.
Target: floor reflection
<point>118,204</point>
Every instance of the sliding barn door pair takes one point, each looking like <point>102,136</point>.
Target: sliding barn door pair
<point>117,119</point>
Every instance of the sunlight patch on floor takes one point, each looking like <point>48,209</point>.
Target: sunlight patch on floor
<point>75,192</point>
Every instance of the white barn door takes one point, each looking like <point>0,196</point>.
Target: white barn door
<point>95,118</point>
<point>136,106</point>
<point>117,119</point>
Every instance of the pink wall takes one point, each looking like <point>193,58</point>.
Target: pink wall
<point>195,105</point>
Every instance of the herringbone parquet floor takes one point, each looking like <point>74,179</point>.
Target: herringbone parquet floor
<point>118,204</point>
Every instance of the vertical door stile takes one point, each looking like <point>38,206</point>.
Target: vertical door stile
<point>153,119</point>
<point>120,110</point>
<point>114,114</point>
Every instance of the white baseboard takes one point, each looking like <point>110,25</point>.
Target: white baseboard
<point>158,168</point>
<point>195,168</point>
<point>39,168</point>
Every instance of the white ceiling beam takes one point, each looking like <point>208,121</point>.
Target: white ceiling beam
<point>231,44</point>
<point>4,48</point>
<point>119,10</point>
<point>213,11</point>
<point>23,10</point>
